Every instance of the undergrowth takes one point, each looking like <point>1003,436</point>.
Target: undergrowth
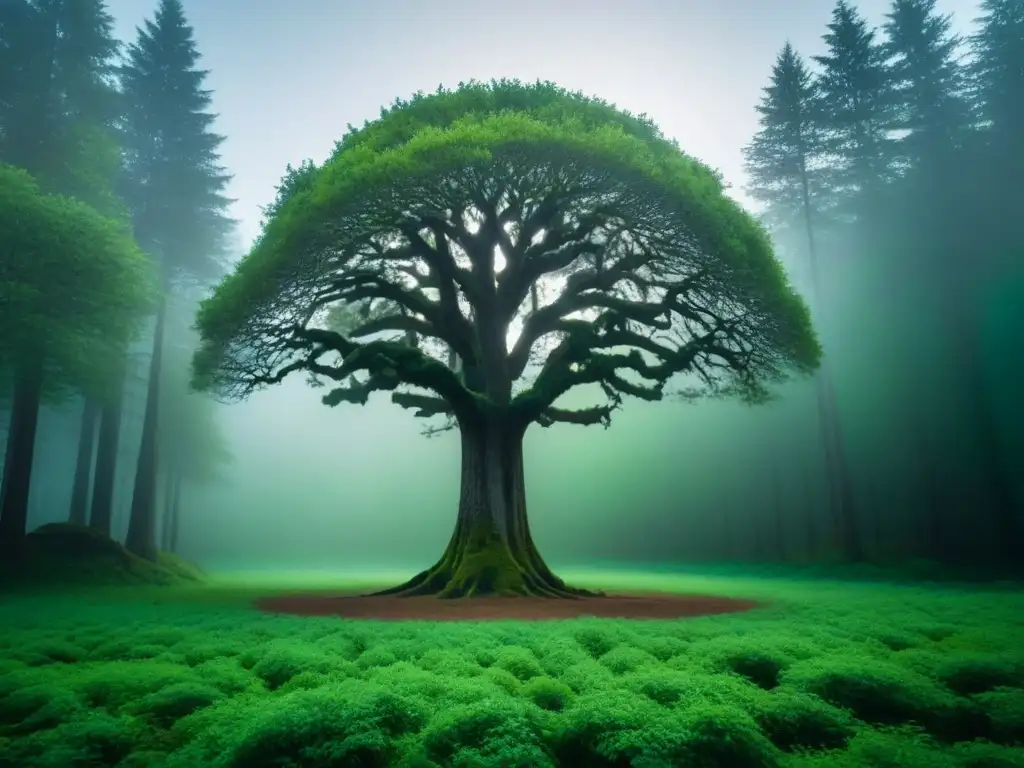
<point>827,676</point>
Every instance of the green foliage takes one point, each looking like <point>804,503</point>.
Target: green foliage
<point>855,110</point>
<point>996,69</point>
<point>134,681</point>
<point>71,281</point>
<point>548,693</point>
<point>447,151</point>
<point>928,82</point>
<point>783,160</point>
<point>175,701</point>
<point>58,104</point>
<point>794,721</point>
<point>1004,706</point>
<point>492,732</point>
<point>178,209</point>
<point>519,662</point>
<point>876,691</point>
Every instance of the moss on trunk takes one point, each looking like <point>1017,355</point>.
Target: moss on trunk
<point>491,551</point>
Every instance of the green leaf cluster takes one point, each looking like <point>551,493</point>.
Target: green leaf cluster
<point>461,138</point>
<point>73,282</point>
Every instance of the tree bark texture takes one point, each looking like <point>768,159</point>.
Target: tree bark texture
<point>491,551</point>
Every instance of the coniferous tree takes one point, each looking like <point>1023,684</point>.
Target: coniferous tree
<point>927,85</point>
<point>998,85</point>
<point>175,187</point>
<point>855,110</point>
<point>783,160</point>
<point>784,164</point>
<point>999,68</point>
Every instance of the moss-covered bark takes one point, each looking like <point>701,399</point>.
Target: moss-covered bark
<point>491,551</point>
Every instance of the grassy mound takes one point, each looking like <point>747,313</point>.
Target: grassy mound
<point>833,675</point>
<point>66,555</point>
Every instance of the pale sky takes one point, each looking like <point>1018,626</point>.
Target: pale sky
<point>288,75</point>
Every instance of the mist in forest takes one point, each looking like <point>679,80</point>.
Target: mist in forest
<point>907,445</point>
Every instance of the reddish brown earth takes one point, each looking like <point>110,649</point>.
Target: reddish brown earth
<point>635,606</point>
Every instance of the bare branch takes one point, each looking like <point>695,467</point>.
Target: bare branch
<point>586,417</point>
<point>424,405</point>
<point>388,363</point>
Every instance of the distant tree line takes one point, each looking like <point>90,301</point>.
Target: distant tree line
<point>903,148</point>
<point>121,136</point>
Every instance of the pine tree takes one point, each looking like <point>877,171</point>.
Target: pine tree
<point>998,48</point>
<point>856,107</point>
<point>998,85</point>
<point>783,160</point>
<point>784,164</point>
<point>928,85</point>
<point>175,187</point>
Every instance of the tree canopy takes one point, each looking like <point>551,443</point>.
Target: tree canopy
<point>71,280</point>
<point>497,245</point>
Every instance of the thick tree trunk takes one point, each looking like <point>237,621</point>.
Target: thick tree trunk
<point>102,508</point>
<point>79,512</point>
<point>21,441</point>
<point>491,551</point>
<point>141,539</point>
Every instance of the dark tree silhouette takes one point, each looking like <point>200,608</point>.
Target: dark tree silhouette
<point>785,164</point>
<point>856,109</point>
<point>927,85</point>
<point>547,241</point>
<point>174,188</point>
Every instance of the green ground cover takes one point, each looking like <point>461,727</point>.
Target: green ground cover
<point>830,675</point>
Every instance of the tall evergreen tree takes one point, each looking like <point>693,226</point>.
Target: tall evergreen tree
<point>786,172</point>
<point>998,84</point>
<point>856,107</point>
<point>784,158</point>
<point>175,188</point>
<point>998,67</point>
<point>928,84</point>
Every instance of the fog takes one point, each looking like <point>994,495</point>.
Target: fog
<point>308,486</point>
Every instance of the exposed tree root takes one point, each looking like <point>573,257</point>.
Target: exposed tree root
<point>485,569</point>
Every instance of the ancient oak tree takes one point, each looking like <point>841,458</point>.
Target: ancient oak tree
<point>480,252</point>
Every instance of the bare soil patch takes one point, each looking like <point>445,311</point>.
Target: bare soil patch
<point>632,606</point>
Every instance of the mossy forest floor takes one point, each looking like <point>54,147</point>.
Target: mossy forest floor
<point>831,674</point>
